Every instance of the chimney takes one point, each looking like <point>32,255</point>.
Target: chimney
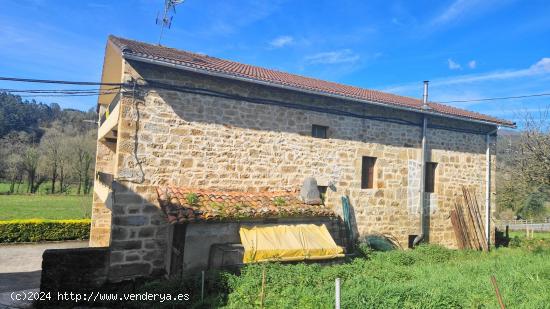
<point>425,95</point>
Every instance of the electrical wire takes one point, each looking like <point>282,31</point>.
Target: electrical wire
<point>48,81</point>
<point>65,82</point>
<point>62,92</point>
<point>500,98</point>
<point>201,91</point>
<point>70,91</point>
<point>63,95</point>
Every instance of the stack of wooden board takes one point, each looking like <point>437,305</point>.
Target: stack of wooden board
<point>468,224</point>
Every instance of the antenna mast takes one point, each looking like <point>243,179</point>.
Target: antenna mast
<point>166,21</point>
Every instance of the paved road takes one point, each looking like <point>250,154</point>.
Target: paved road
<point>20,267</point>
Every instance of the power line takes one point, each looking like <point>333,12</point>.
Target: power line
<point>119,86</point>
<point>499,98</point>
<point>62,95</point>
<point>59,90</point>
<point>39,93</point>
<point>65,82</point>
<point>24,93</point>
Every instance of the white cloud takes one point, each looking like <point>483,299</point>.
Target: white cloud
<point>540,68</point>
<point>463,9</point>
<point>454,11</point>
<point>453,65</point>
<point>333,57</point>
<point>281,41</point>
<point>472,64</point>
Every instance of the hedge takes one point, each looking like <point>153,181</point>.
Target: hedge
<point>32,230</point>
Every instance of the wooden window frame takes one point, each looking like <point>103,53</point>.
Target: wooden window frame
<point>315,128</point>
<point>367,172</point>
<point>429,180</point>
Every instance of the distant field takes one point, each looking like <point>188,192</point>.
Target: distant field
<point>536,235</point>
<point>22,188</point>
<point>45,206</point>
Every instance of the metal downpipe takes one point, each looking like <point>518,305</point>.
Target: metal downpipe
<point>422,201</point>
<point>488,186</point>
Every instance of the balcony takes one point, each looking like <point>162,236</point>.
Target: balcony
<point>102,187</point>
<point>108,122</point>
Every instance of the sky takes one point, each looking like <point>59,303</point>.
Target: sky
<point>468,49</point>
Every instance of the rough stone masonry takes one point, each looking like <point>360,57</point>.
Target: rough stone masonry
<point>194,140</point>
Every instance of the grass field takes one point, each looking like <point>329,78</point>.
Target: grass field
<point>426,277</point>
<point>22,188</point>
<point>536,235</point>
<point>45,207</point>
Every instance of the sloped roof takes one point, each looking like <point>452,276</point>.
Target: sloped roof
<point>182,204</point>
<point>227,68</point>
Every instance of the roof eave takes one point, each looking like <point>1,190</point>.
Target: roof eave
<point>321,93</point>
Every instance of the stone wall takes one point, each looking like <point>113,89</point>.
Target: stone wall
<point>218,143</point>
<point>75,269</point>
<point>100,229</point>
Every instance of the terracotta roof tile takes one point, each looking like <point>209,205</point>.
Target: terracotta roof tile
<point>212,64</point>
<point>189,205</point>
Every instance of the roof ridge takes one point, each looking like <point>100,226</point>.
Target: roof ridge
<point>261,67</point>
<point>211,63</point>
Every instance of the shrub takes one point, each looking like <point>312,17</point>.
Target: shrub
<point>192,199</point>
<point>279,201</point>
<point>39,230</point>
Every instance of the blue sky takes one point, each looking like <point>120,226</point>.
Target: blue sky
<point>467,49</point>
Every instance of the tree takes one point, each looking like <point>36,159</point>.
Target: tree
<point>66,150</point>
<point>12,149</point>
<point>83,154</point>
<point>535,204</point>
<point>30,166</point>
<point>50,146</point>
<point>524,167</point>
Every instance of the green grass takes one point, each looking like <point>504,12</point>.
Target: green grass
<point>45,207</point>
<point>427,277</point>
<point>536,235</point>
<point>43,189</point>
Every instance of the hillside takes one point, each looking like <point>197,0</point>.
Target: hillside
<point>43,143</point>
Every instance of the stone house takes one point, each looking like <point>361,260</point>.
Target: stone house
<point>194,147</point>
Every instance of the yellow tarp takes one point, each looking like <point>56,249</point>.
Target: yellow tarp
<point>288,243</point>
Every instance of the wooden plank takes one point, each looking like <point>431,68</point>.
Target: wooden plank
<point>472,222</point>
<point>464,228</point>
<point>475,205</point>
<point>458,232</point>
<point>474,217</point>
<point>472,229</point>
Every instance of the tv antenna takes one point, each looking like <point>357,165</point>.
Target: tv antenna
<point>166,21</point>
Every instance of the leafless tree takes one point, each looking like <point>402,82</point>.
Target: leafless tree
<point>523,176</point>
<point>50,146</point>
<point>83,159</point>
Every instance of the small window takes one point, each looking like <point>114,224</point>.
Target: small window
<point>367,173</point>
<point>319,131</point>
<point>430,177</point>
